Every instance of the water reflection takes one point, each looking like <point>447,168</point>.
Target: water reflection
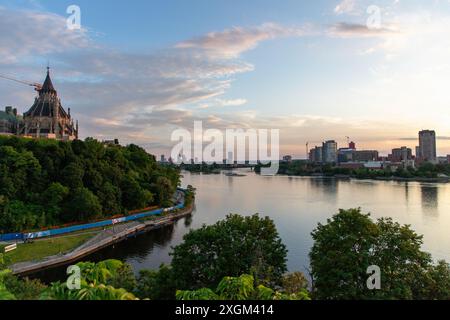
<point>296,205</point>
<point>430,199</point>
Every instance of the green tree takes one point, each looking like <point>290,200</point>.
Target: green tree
<point>83,206</point>
<point>156,284</point>
<point>251,243</point>
<point>350,242</point>
<point>294,282</point>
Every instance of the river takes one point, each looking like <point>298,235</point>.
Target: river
<point>297,205</point>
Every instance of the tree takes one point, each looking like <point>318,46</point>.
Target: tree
<point>39,179</point>
<point>25,289</point>
<point>133,195</point>
<point>235,246</point>
<point>350,242</point>
<point>164,191</point>
<point>84,205</point>
<point>156,285</point>
<point>294,282</point>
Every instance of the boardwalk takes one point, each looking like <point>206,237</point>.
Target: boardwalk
<point>101,240</point>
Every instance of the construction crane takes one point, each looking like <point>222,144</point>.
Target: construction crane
<point>37,86</point>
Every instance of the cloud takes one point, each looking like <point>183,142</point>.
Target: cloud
<point>232,42</point>
<point>345,7</point>
<point>352,30</point>
<point>126,94</point>
<point>25,32</point>
<point>231,103</point>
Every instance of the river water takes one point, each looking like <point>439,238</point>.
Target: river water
<point>297,205</point>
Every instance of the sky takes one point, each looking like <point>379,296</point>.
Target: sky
<point>374,71</point>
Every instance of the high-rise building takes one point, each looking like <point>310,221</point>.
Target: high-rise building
<point>329,151</point>
<point>417,152</point>
<point>427,146</point>
<point>352,145</point>
<point>315,155</point>
<point>401,154</point>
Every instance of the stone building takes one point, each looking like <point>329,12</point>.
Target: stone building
<point>45,119</point>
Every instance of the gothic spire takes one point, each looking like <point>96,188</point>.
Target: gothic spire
<point>47,87</point>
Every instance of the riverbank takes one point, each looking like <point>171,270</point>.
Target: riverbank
<point>351,177</point>
<point>101,240</point>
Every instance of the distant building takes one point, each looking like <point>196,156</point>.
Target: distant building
<point>329,151</point>
<point>365,155</point>
<point>418,156</point>
<point>352,145</point>
<point>351,165</point>
<point>315,155</point>
<point>442,160</point>
<point>163,158</point>
<point>345,155</point>
<point>111,142</point>
<point>427,146</point>
<point>287,158</point>
<point>374,165</point>
<point>9,121</point>
<point>400,154</point>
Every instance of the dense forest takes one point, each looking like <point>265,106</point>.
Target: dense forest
<point>45,182</point>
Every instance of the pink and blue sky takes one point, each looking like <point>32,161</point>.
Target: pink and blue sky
<point>313,69</point>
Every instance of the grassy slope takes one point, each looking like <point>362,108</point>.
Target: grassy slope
<point>43,248</point>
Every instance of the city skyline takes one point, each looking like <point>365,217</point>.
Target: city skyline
<point>313,70</point>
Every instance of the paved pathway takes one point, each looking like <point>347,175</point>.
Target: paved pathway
<point>103,239</point>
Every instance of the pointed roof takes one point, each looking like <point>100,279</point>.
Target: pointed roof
<point>48,85</point>
<point>47,103</point>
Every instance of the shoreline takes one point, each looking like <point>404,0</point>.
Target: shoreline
<point>347,177</point>
<point>102,240</point>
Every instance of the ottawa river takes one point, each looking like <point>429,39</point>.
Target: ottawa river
<point>296,204</point>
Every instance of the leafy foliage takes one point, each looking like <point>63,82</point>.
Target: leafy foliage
<point>156,284</point>
<point>45,182</point>
<point>252,244</point>
<point>240,288</point>
<point>350,242</point>
<point>96,283</point>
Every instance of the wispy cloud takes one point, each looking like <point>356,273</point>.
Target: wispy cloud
<point>345,7</point>
<point>24,32</point>
<point>351,30</point>
<point>232,42</point>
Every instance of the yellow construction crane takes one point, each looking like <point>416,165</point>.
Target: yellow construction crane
<point>37,86</point>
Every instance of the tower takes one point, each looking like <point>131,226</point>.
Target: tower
<point>47,118</point>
